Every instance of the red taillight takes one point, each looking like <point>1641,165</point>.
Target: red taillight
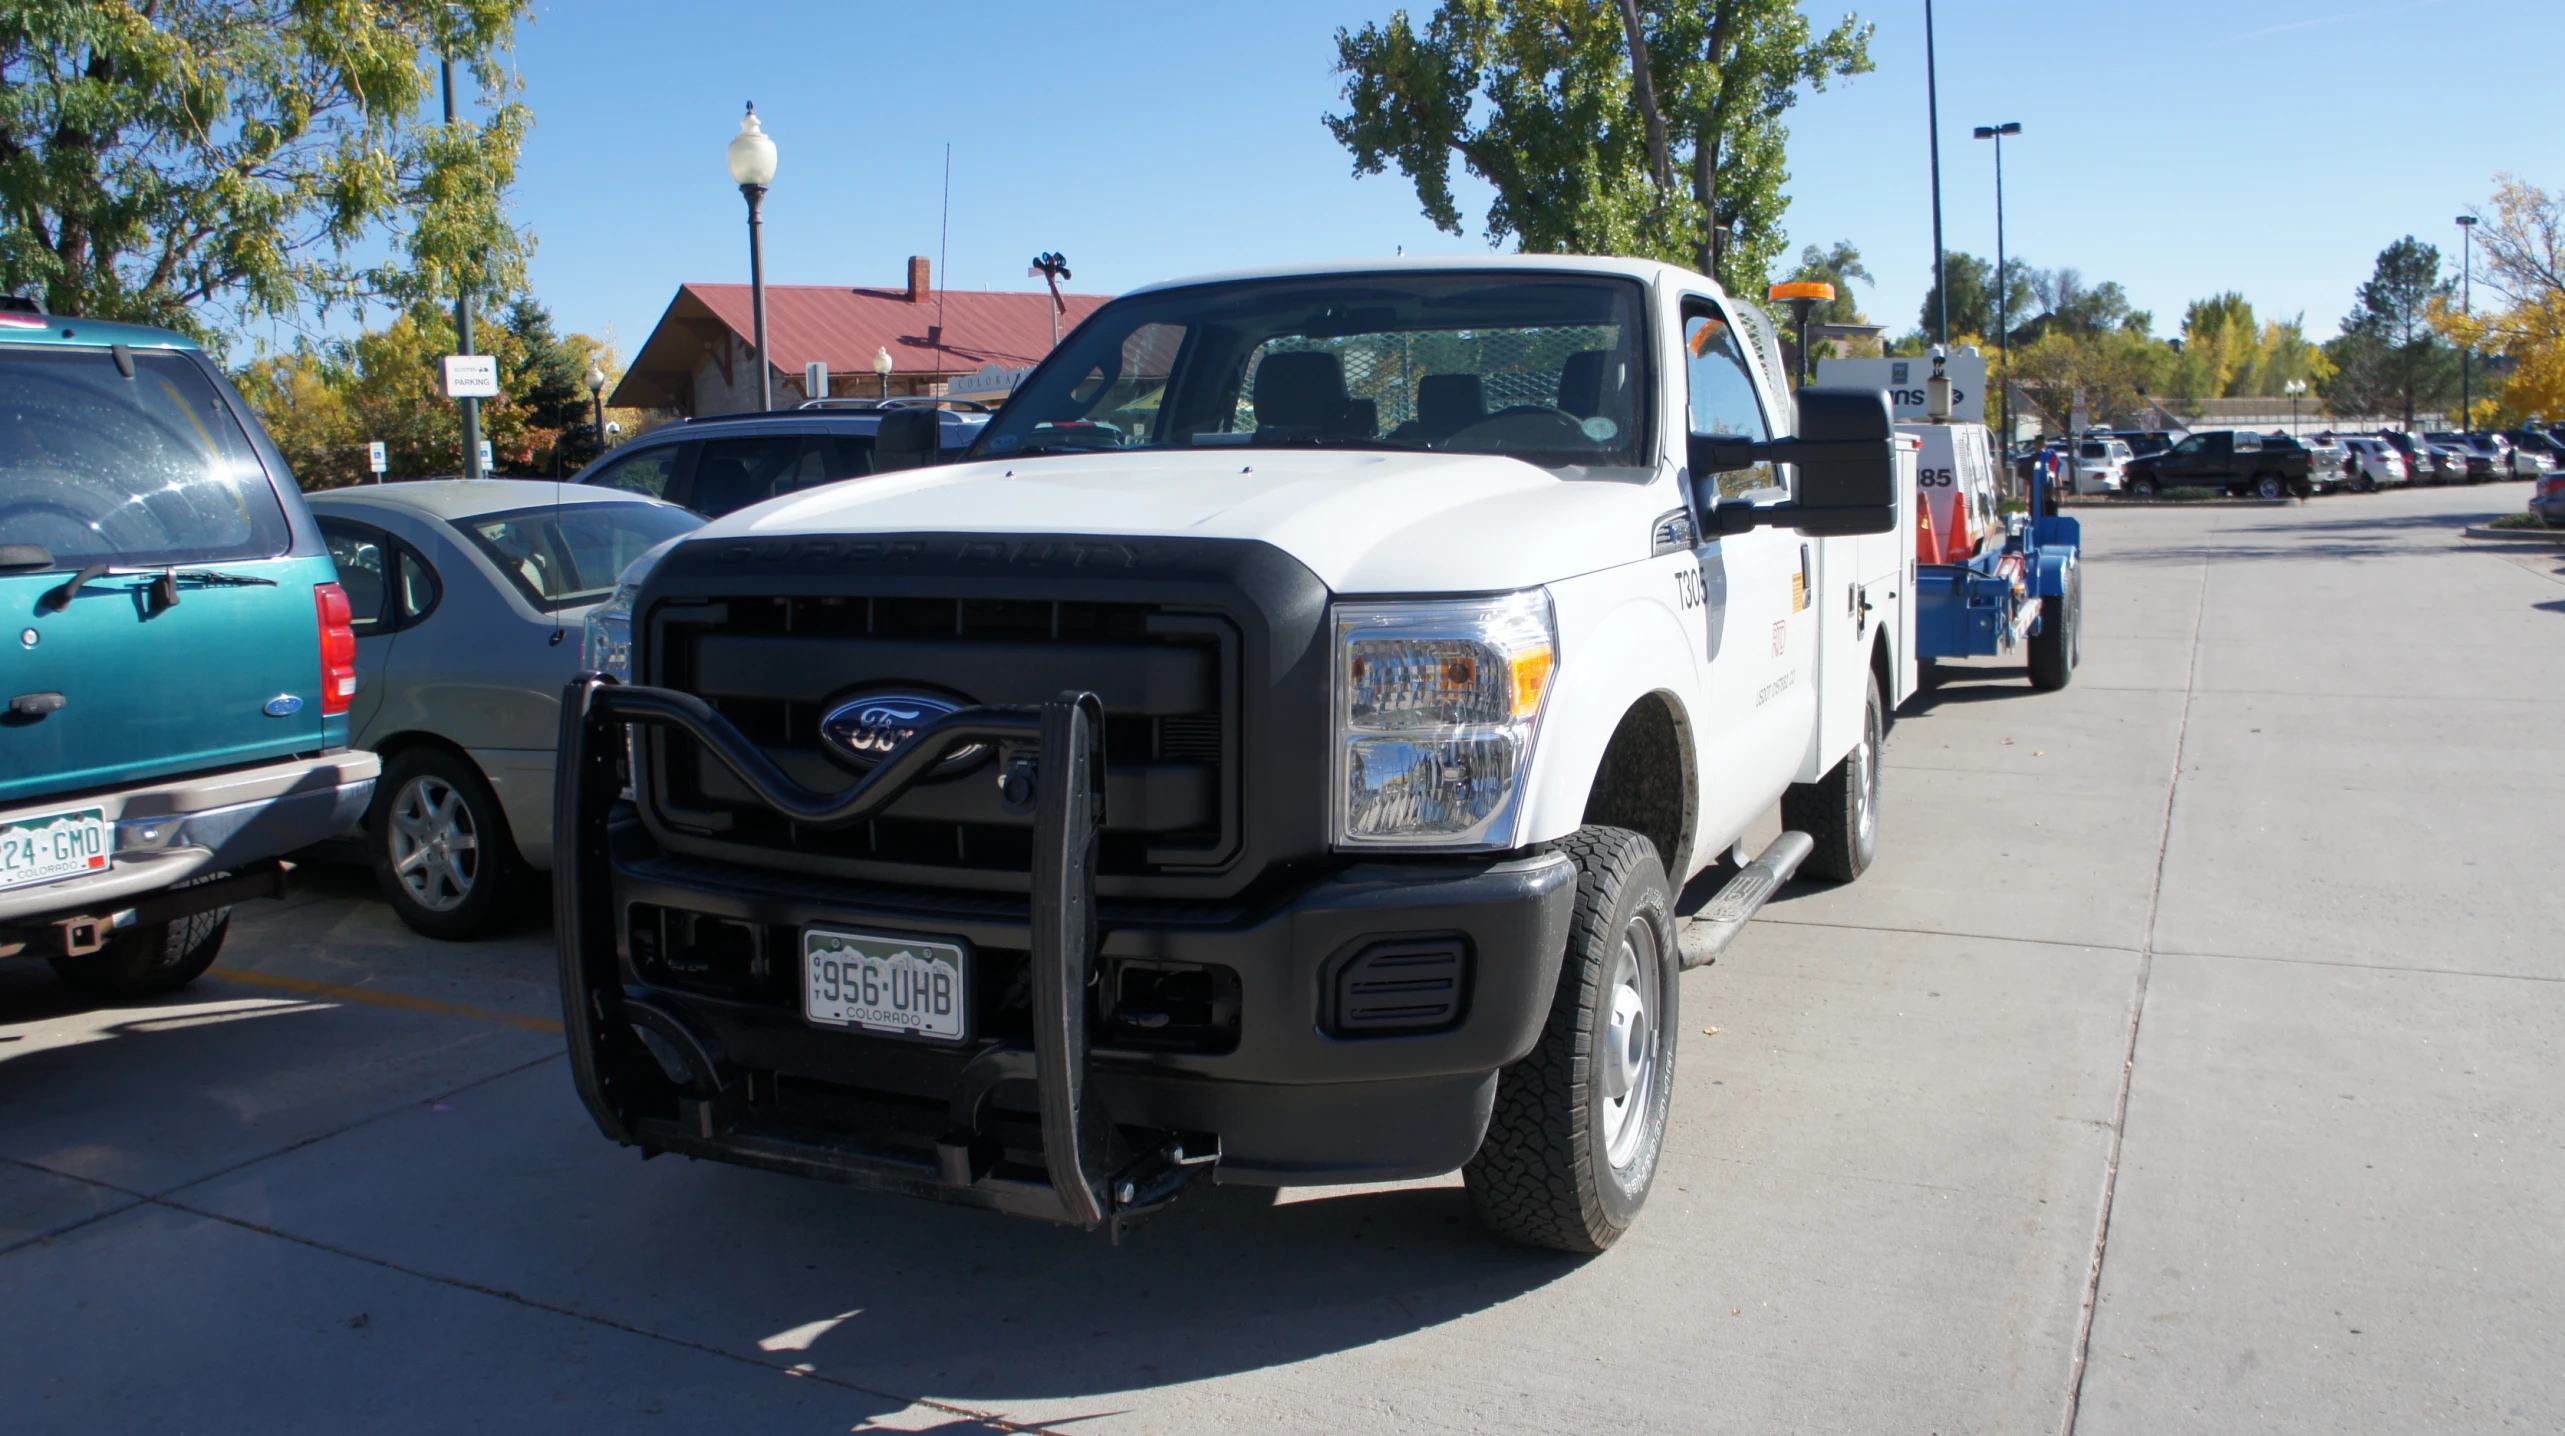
<point>338,648</point>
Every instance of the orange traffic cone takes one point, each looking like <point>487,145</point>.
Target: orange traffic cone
<point>1962,548</point>
<point>1928,549</point>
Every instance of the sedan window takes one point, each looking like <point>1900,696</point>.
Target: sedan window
<point>363,558</point>
<point>561,557</point>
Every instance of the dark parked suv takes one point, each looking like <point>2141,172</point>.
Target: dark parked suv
<point>716,465</point>
<point>180,657</point>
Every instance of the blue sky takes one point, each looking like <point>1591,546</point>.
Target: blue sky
<point>2179,147</point>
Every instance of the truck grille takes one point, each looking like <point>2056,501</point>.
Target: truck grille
<point>774,665</point>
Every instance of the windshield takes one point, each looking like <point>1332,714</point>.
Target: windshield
<point>561,557</point>
<point>146,471</point>
<point>1548,368</point>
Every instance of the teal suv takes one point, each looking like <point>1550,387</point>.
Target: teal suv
<point>176,661</point>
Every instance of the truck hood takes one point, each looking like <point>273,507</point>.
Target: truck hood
<point>1363,521</point>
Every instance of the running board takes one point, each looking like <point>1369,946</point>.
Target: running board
<point>1710,930</point>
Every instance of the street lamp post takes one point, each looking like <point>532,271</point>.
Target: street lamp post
<point>882,369</point>
<point>752,165</point>
<point>2295,389</point>
<point>2467,307</point>
<point>2003,290</point>
<point>597,396</point>
<point>463,327</point>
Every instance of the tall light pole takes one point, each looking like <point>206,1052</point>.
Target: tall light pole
<point>1051,268</point>
<point>752,165</point>
<point>597,396</point>
<point>1933,122</point>
<point>2467,307</point>
<point>882,369</point>
<point>2003,290</point>
<point>463,323</point>
<point>2296,389</point>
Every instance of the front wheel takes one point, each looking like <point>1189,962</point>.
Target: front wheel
<point>1840,811</point>
<point>2269,486</point>
<point>2143,486</point>
<point>1572,1145</point>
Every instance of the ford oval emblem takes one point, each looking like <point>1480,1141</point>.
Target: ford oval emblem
<point>861,731</point>
<point>284,705</point>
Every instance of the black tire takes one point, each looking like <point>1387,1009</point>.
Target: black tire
<point>141,961</point>
<point>461,888</point>
<point>1546,1175</point>
<point>2270,486</point>
<point>2367,484</point>
<point>2143,486</point>
<point>2059,645</point>
<point>1841,810</point>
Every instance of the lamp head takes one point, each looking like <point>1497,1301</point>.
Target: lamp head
<point>2467,221</point>
<point>752,153</point>
<point>882,362</point>
<point>596,378</point>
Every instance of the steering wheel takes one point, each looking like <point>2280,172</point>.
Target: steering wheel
<point>1523,426</point>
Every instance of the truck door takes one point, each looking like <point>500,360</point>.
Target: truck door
<point>1757,691</point>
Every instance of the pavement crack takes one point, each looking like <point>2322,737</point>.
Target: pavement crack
<point>2370,966</point>
<point>2082,1350</point>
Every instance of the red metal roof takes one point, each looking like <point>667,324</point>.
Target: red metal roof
<point>844,328</point>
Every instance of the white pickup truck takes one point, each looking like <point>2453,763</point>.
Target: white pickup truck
<point>1274,751</point>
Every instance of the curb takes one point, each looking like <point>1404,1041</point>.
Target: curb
<point>2548,536</point>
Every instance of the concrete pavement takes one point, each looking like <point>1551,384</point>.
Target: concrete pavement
<point>2282,949</point>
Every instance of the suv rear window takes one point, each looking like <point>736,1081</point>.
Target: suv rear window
<point>152,470</point>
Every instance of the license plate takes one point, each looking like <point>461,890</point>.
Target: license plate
<point>57,845</point>
<point>883,984</point>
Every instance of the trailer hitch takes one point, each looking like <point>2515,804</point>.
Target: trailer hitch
<point>1064,786</point>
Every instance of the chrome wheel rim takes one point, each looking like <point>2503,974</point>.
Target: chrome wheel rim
<point>1865,776</point>
<point>1631,1039</point>
<point>436,846</point>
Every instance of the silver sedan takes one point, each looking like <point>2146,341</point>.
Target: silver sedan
<point>469,599</point>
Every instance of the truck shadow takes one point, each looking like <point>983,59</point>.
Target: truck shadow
<point>1952,684</point>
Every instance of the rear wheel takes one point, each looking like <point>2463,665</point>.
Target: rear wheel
<point>2143,486</point>
<point>1572,1145</point>
<point>1840,811</point>
<point>2269,486</point>
<point>441,848</point>
<point>2059,645</point>
<point>141,961</point>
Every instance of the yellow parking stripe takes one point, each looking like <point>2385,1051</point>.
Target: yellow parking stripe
<point>309,988</point>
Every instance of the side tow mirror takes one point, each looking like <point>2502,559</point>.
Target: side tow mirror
<point>1846,456</point>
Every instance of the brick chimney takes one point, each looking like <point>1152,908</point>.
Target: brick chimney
<point>921,279</point>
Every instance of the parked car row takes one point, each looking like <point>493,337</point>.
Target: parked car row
<point>2242,462</point>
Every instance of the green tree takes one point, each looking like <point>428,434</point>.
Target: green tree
<point>1642,127</point>
<point>1972,298</point>
<point>325,401</point>
<point>159,158</point>
<point>2389,358</point>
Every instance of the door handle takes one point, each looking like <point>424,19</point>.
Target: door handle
<point>37,705</point>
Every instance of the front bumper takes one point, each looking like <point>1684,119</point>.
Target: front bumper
<point>1281,1099</point>
<point>173,829</point>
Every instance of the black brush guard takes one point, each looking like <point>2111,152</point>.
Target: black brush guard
<point>621,1041</point>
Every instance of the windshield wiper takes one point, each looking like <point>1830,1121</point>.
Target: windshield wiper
<point>164,584</point>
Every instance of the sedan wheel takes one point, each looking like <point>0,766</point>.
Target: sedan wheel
<point>441,847</point>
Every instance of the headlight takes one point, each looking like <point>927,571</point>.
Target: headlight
<point>1437,707</point>
<point>607,641</point>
